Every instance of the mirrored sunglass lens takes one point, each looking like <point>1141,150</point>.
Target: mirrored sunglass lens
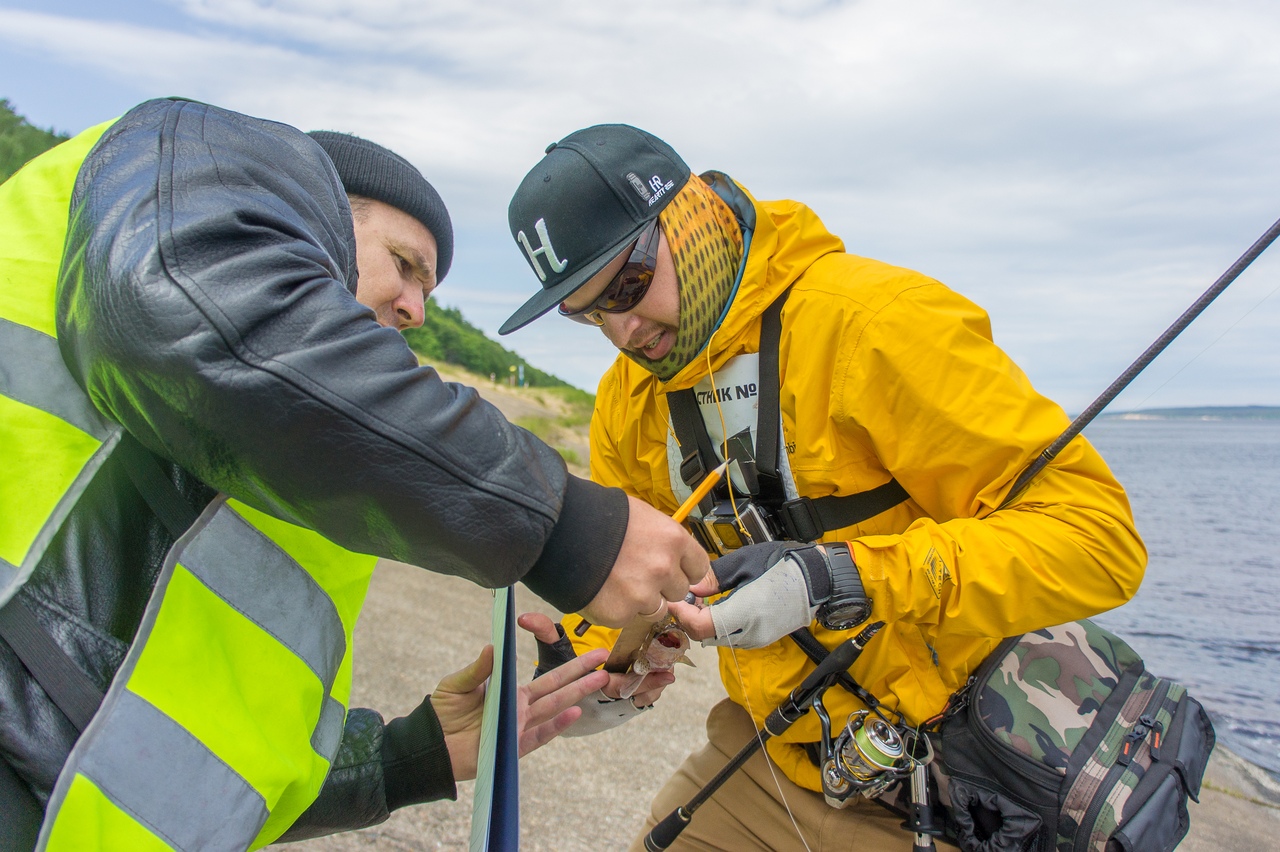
<point>627,290</point>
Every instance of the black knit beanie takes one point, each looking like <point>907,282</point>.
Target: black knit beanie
<point>368,169</point>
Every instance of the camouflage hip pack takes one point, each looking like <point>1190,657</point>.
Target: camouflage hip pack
<point>1063,741</point>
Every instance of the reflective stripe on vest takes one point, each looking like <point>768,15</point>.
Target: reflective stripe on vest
<point>235,620</point>
<point>221,724</point>
<point>52,441</point>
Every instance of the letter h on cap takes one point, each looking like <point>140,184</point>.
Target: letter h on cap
<point>545,248</point>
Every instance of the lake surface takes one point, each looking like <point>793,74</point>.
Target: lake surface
<point>1206,497</point>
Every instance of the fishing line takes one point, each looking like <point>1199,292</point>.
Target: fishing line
<point>764,750</point>
<point>1215,342</point>
<point>733,652</point>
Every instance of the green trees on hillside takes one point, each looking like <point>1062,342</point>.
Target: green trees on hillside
<point>446,336</point>
<point>20,140</point>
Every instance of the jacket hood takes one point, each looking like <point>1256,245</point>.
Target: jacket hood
<point>782,239</point>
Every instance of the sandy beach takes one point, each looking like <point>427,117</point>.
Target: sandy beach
<point>593,793</point>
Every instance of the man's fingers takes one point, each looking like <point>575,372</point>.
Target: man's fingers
<point>695,566</point>
<point>694,560</point>
<point>648,690</point>
<point>577,669</point>
<point>651,688</point>
<point>613,689</point>
<point>471,677</point>
<point>658,559</point>
<point>542,628</point>
<point>539,735</point>
<point>707,586</point>
<point>658,614</point>
<point>694,620</point>
<point>552,704</point>
<point>547,706</point>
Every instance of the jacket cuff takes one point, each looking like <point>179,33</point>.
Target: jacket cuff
<point>415,760</point>
<point>584,544</point>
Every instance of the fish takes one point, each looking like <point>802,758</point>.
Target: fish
<point>665,645</point>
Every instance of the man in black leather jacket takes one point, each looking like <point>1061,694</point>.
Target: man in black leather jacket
<point>208,303</point>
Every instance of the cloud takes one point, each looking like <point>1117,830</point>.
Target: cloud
<point>1082,170</point>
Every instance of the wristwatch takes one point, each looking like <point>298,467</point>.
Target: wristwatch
<point>848,605</point>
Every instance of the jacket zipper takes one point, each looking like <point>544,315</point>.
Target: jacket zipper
<point>1121,765</point>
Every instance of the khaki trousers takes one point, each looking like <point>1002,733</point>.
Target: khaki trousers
<point>747,813</point>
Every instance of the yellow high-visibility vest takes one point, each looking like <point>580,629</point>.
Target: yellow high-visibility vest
<point>221,724</point>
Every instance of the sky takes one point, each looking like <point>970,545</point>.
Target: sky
<point>1082,170</point>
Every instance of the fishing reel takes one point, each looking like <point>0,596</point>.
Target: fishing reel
<point>868,757</point>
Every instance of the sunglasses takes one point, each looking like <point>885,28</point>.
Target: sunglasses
<point>627,287</point>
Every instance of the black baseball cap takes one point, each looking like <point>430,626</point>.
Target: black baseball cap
<point>586,201</point>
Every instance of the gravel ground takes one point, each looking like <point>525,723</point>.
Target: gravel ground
<point>593,793</point>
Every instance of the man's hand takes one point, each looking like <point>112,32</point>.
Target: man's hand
<point>555,649</point>
<point>657,562</point>
<point>544,707</point>
<point>774,595</point>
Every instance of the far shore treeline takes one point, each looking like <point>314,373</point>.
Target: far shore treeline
<point>1202,412</point>
<point>445,335</point>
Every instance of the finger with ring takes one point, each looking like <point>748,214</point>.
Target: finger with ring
<point>661,608</point>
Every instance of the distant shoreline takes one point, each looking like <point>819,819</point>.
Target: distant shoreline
<point>1206,412</point>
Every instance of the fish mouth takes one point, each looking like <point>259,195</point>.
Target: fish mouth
<point>668,639</point>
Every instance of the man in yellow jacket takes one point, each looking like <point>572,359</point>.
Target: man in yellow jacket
<point>889,386</point>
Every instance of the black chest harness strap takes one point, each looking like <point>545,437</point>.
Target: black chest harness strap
<point>802,519</point>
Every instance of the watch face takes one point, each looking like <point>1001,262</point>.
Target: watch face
<point>846,615</point>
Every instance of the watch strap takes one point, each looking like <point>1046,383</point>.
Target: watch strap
<point>848,604</point>
<point>846,582</point>
<point>817,574</point>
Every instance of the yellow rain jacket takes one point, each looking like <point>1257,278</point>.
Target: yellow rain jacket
<point>887,373</point>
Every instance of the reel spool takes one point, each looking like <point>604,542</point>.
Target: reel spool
<point>865,759</point>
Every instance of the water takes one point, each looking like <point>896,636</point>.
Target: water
<point>1206,498</point>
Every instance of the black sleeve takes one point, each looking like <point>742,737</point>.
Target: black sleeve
<point>415,760</point>
<point>205,303</point>
<point>353,795</point>
<point>377,770</point>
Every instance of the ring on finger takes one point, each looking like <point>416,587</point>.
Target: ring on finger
<point>662,604</point>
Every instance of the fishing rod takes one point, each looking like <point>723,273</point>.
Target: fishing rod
<point>782,718</point>
<point>1095,408</point>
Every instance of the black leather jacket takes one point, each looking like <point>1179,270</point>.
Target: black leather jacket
<point>206,303</point>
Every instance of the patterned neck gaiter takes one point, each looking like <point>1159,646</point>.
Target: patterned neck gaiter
<point>706,245</point>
